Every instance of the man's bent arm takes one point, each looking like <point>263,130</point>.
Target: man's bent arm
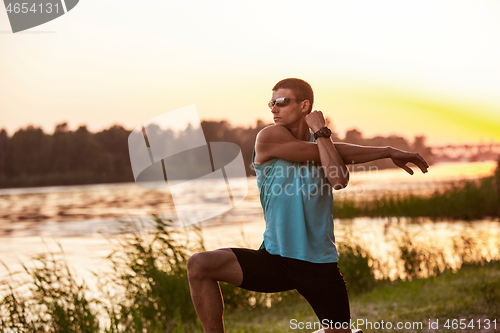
<point>331,161</point>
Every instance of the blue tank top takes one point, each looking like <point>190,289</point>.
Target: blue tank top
<point>298,205</point>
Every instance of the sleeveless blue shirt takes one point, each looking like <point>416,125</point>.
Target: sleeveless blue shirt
<point>298,205</point>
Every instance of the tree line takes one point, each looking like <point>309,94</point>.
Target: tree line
<point>31,157</point>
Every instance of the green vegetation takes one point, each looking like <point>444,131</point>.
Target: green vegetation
<point>473,292</point>
<point>57,301</point>
<point>467,200</point>
<point>148,290</point>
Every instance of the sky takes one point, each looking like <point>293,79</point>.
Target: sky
<point>387,67</point>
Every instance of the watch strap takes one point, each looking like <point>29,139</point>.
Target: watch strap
<point>323,132</point>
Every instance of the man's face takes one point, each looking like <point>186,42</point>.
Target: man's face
<point>291,113</point>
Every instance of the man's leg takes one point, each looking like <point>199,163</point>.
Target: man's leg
<point>205,269</point>
<point>324,287</point>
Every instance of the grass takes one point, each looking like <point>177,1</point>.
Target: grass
<point>464,200</point>
<point>473,292</point>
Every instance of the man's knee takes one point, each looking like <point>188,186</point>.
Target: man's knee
<point>196,266</point>
<point>220,265</point>
<point>204,264</point>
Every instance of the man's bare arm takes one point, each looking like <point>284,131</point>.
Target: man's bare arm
<point>354,154</point>
<point>277,142</point>
<point>331,161</point>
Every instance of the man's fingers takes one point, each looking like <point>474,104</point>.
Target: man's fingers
<point>423,168</point>
<point>405,158</point>
<point>403,166</point>
<point>408,169</point>
<point>422,164</point>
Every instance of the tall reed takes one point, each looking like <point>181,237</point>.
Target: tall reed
<point>57,302</point>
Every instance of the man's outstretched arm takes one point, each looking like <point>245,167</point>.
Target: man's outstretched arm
<point>277,141</point>
<point>355,154</point>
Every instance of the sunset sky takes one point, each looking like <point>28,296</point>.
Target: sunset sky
<point>388,67</point>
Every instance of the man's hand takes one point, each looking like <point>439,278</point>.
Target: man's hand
<point>401,158</point>
<point>315,120</point>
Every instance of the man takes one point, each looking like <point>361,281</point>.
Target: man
<point>297,165</point>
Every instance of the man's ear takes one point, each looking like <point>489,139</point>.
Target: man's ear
<point>306,106</point>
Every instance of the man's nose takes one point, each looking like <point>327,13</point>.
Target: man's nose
<point>275,109</point>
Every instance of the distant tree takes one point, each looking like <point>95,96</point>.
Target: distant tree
<point>353,136</point>
<point>85,151</point>
<point>420,147</point>
<point>61,149</point>
<point>396,142</point>
<point>28,153</point>
<point>496,181</point>
<point>114,161</point>
<point>61,128</point>
<point>4,146</point>
<point>335,137</point>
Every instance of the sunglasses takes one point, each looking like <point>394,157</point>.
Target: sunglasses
<point>282,101</point>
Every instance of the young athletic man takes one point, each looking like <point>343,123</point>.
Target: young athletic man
<point>297,165</point>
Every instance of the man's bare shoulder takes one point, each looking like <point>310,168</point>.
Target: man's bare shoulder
<point>277,141</point>
<point>273,133</point>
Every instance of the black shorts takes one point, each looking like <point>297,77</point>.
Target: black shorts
<point>322,285</point>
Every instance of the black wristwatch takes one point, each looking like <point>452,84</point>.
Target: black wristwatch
<point>323,132</point>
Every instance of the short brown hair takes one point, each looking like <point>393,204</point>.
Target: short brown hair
<point>300,88</point>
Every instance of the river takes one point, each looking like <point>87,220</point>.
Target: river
<point>83,220</point>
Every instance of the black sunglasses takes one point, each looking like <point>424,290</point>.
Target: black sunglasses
<point>282,101</point>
